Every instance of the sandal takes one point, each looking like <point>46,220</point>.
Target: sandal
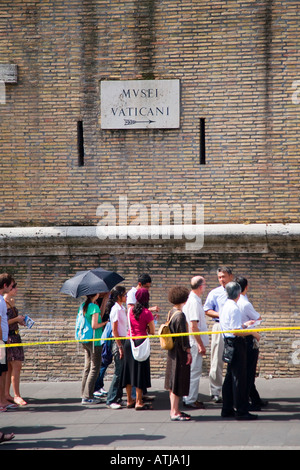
<point>6,437</point>
<point>145,406</point>
<point>181,417</point>
<point>19,401</point>
<point>11,406</point>
<point>131,405</point>
<point>185,414</point>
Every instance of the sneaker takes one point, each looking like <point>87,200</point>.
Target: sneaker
<point>114,406</point>
<point>121,402</point>
<point>216,399</point>
<point>90,401</point>
<point>99,394</point>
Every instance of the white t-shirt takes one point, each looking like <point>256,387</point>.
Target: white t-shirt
<point>193,311</point>
<point>3,315</point>
<point>131,299</point>
<point>118,313</point>
<point>230,317</point>
<point>247,310</point>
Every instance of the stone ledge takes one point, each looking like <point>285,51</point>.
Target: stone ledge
<point>223,238</point>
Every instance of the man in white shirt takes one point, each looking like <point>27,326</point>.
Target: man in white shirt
<point>234,390</point>
<point>213,304</point>
<point>195,317</point>
<point>143,281</point>
<point>6,283</point>
<point>248,312</point>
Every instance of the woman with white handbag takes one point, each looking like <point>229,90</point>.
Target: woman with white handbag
<point>136,372</point>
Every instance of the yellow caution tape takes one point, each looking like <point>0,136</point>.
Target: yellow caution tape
<point>248,330</point>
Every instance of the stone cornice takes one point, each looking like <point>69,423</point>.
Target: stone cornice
<point>223,238</point>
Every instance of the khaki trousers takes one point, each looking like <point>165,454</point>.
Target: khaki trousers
<point>216,362</point>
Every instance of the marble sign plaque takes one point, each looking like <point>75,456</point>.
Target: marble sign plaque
<point>8,73</point>
<point>140,104</point>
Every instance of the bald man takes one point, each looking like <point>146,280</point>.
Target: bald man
<point>195,317</point>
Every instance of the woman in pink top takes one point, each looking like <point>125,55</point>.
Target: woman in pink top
<point>135,373</point>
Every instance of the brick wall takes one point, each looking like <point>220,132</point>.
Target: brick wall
<point>237,61</point>
<point>273,291</point>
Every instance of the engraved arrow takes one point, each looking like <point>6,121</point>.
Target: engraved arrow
<point>129,122</point>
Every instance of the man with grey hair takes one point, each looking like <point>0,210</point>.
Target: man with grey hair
<point>213,304</point>
<point>234,390</point>
<point>249,313</point>
<point>195,317</point>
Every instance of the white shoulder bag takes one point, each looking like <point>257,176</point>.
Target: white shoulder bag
<point>142,352</point>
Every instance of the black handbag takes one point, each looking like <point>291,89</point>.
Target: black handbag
<point>228,351</point>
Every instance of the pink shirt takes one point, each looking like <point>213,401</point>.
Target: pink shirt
<point>139,327</point>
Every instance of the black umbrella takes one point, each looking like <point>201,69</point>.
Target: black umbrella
<point>90,282</point>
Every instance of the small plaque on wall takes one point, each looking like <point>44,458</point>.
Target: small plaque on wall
<point>8,73</point>
<point>140,104</point>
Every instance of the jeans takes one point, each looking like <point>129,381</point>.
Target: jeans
<point>115,391</point>
<point>100,380</point>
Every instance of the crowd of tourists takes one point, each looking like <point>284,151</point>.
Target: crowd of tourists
<point>119,323</point>
<point>128,318</point>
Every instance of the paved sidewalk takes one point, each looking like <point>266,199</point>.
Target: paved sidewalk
<point>55,419</point>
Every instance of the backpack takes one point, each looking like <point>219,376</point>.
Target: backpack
<point>83,329</point>
<point>106,354</point>
<point>166,342</point>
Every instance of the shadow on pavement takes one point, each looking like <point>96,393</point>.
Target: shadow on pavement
<point>67,443</point>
